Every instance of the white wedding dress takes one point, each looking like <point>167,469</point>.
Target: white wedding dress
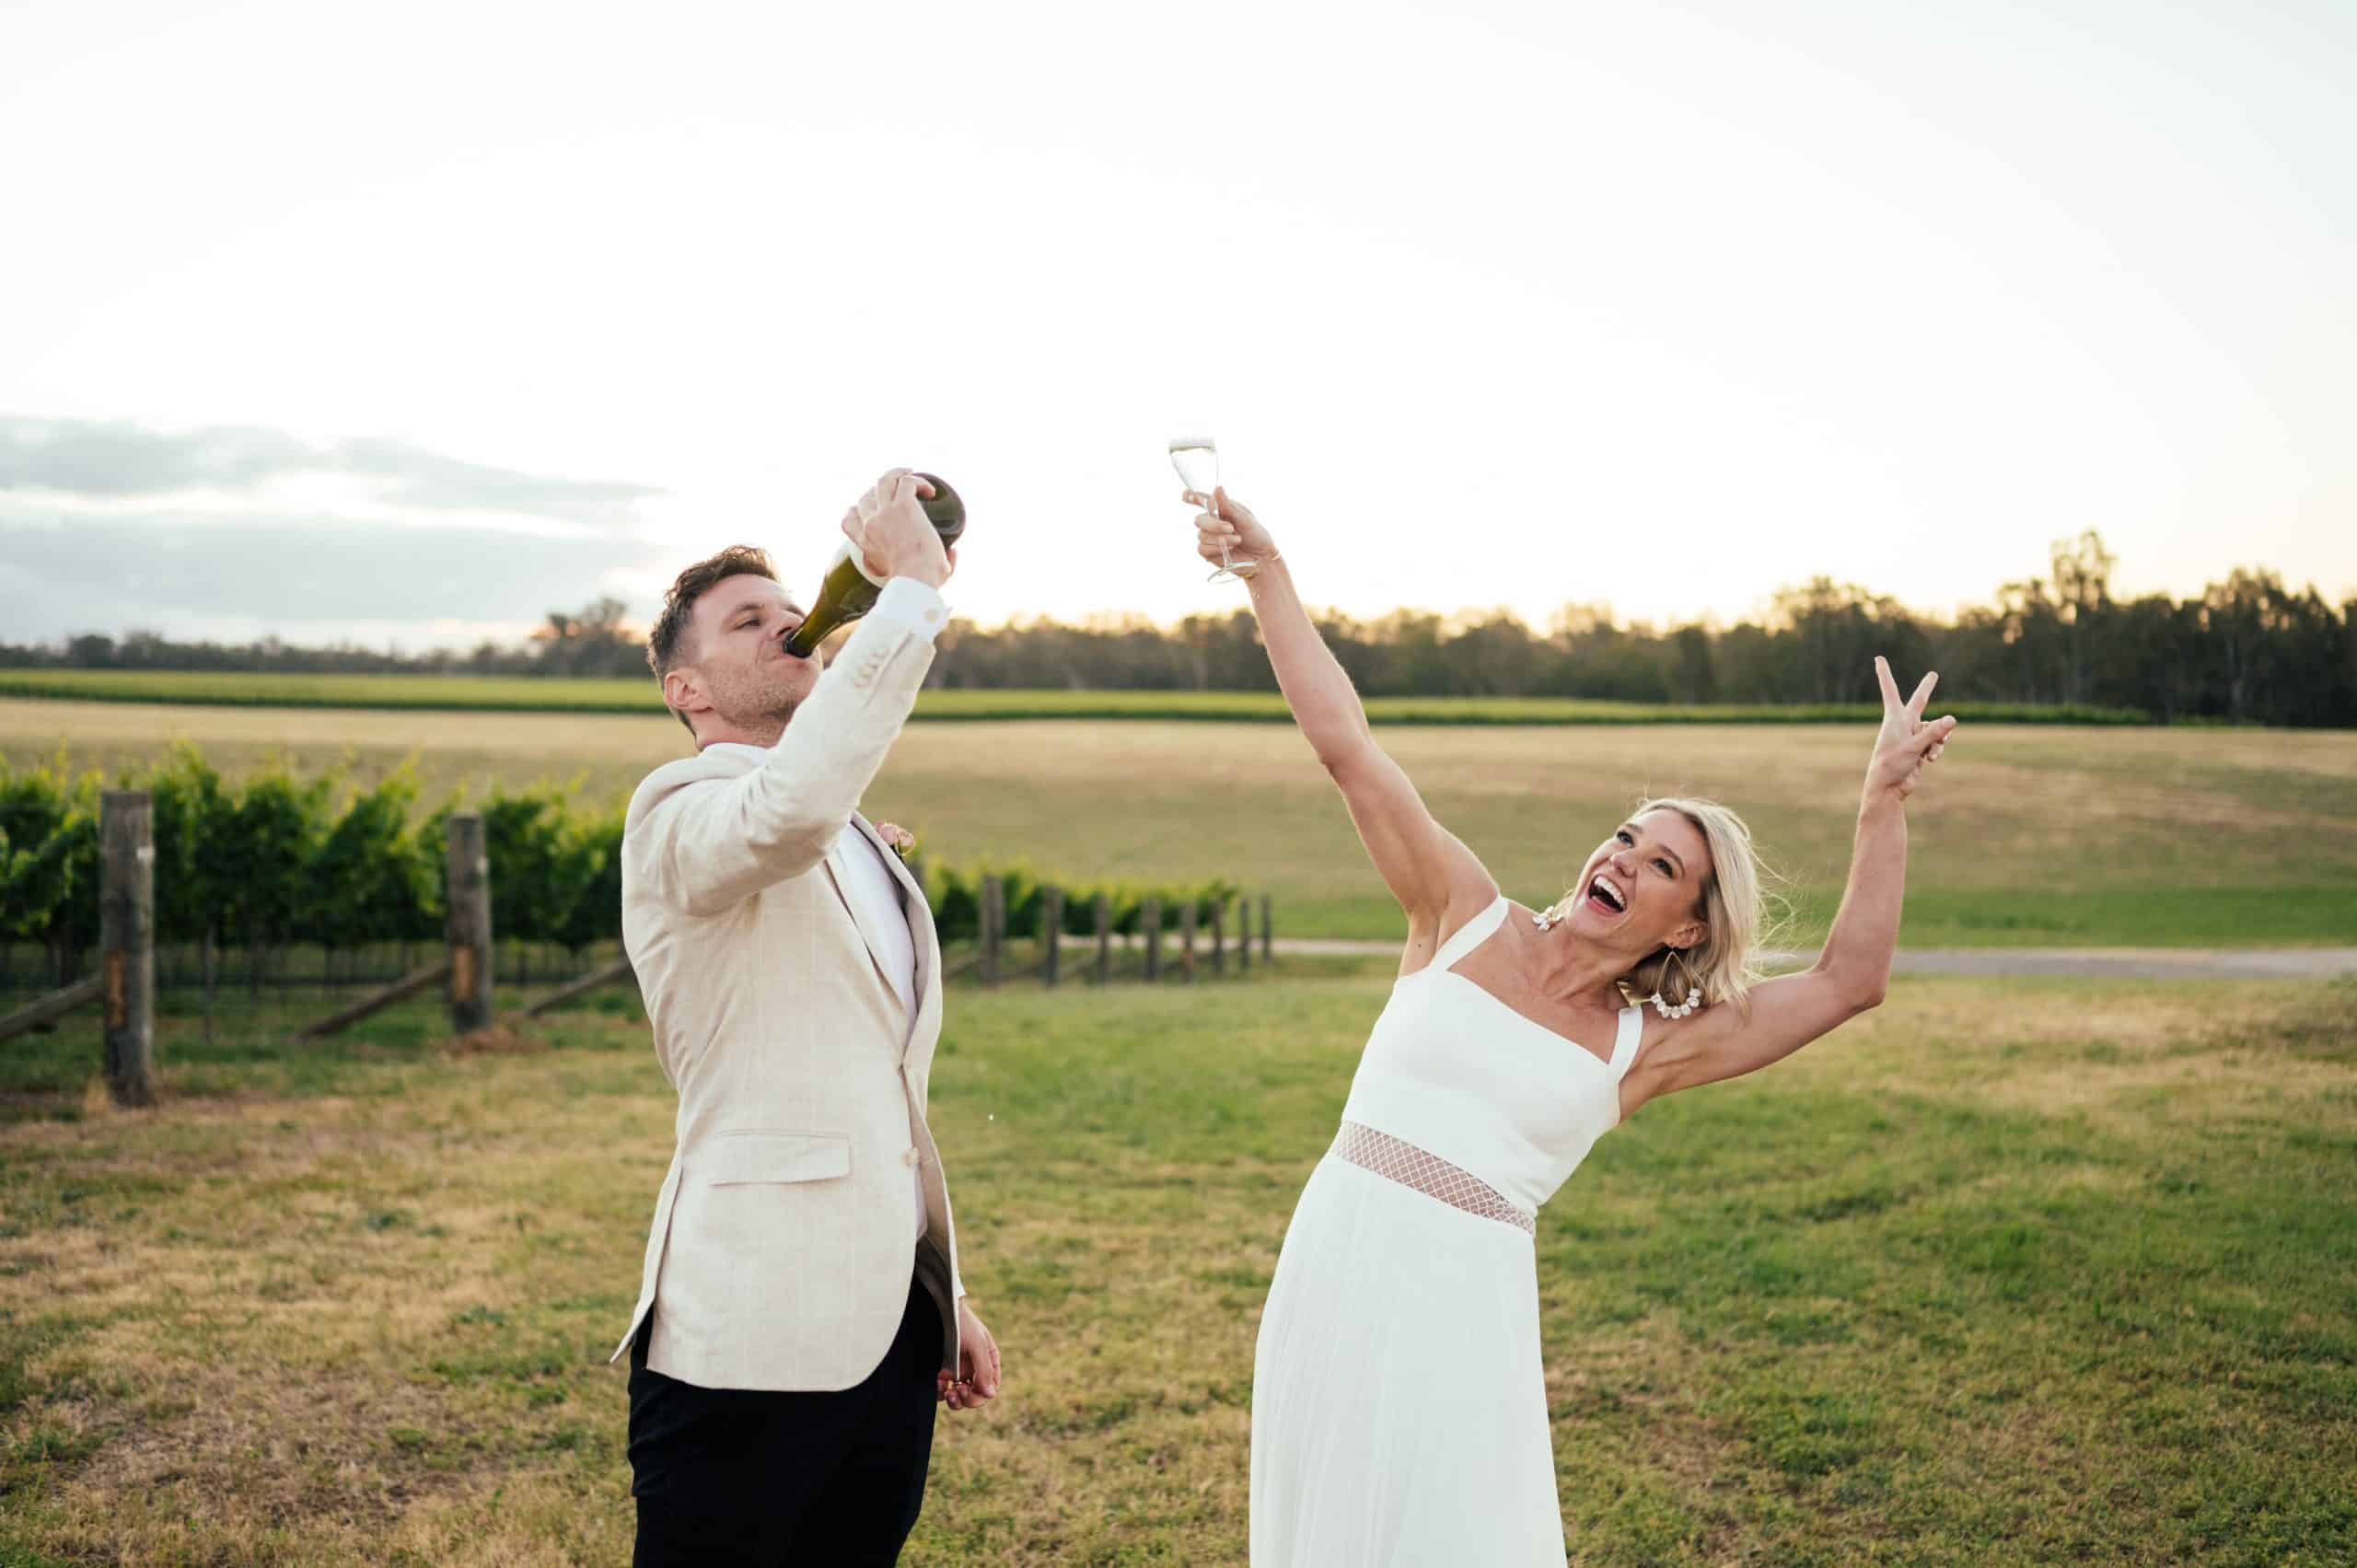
<point>1399,1404</point>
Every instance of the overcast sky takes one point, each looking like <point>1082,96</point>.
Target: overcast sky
<point>409,325</point>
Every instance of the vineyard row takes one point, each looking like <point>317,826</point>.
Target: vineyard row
<point>274,861</point>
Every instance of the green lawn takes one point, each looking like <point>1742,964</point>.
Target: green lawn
<point>524,693</point>
<point>2006,1273</point>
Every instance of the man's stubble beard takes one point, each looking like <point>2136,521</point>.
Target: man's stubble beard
<point>750,704</point>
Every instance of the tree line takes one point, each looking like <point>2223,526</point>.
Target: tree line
<point>2247,650</point>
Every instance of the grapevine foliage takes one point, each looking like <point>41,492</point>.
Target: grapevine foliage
<point>275,858</point>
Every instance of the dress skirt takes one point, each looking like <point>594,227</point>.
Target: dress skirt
<point>1398,1401</point>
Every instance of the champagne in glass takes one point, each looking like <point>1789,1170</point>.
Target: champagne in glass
<point>849,591</point>
<point>1197,459</point>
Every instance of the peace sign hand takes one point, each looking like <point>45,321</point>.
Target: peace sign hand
<point>1905,742</point>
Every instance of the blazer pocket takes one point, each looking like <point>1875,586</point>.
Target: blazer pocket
<point>738,1158</point>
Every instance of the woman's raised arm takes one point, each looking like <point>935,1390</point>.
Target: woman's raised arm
<point>1784,1014</point>
<point>1426,867</point>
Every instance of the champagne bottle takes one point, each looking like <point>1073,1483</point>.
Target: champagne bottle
<point>848,591</point>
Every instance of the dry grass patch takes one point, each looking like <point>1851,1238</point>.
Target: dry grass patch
<point>501,1039</point>
<point>328,1314</point>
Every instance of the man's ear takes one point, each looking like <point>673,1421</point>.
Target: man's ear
<point>683,690</point>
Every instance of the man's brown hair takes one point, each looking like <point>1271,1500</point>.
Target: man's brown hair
<point>669,640</point>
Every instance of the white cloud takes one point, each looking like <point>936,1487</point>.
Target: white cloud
<point>341,580</point>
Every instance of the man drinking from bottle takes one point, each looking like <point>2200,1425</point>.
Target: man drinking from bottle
<point>800,1312</point>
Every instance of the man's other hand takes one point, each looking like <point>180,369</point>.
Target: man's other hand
<point>977,1379</point>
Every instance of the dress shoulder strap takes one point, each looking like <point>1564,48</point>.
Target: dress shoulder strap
<point>1624,1042</point>
<point>1471,935</point>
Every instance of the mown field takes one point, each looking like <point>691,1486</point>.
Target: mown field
<point>463,693</point>
<point>2024,835</point>
<point>2008,1273</point>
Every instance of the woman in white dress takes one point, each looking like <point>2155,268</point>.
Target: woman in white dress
<point>1399,1404</point>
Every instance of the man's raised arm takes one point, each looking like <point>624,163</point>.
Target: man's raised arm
<point>703,845</point>
<point>713,842</point>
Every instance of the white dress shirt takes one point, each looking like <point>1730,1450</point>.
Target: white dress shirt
<point>858,865</point>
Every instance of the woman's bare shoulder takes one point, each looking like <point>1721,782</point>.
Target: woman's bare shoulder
<point>1428,932</point>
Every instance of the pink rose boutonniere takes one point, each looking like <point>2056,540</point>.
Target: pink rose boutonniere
<point>901,841</point>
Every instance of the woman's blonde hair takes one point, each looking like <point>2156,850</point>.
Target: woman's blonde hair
<point>1736,904</point>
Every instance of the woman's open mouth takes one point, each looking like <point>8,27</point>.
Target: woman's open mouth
<point>1605,897</point>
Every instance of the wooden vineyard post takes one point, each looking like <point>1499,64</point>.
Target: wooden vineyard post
<point>1243,935</point>
<point>376,1001</point>
<point>1051,932</point>
<point>127,942</point>
<point>1187,941</point>
<point>1104,913</point>
<point>613,973</point>
<point>468,930</point>
<point>1219,936</point>
<point>1149,926</point>
<point>1268,934</point>
<point>994,914</point>
<point>50,1008</point>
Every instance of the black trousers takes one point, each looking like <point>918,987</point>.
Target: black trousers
<point>726,1477</point>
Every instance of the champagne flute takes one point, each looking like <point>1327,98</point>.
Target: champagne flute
<point>1197,459</point>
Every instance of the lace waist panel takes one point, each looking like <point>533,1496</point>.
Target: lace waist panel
<point>1403,1162</point>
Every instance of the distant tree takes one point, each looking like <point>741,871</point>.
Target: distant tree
<point>1698,677</point>
<point>591,642</point>
<point>2234,615</point>
<point>1494,654</point>
<point>1839,629</point>
<point>1753,664</point>
<point>2083,599</point>
<point>2348,657</point>
<point>2030,624</point>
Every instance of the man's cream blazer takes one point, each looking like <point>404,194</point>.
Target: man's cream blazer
<point>785,1233</point>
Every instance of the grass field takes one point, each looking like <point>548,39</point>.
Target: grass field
<point>2006,1273</point>
<point>525,694</point>
<point>2024,835</point>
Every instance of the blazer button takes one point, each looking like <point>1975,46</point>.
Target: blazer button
<point>911,1159</point>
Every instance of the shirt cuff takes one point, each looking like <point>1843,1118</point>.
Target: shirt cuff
<point>913,606</point>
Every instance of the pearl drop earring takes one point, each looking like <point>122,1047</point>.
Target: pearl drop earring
<point>1693,992</point>
<point>1660,1004</point>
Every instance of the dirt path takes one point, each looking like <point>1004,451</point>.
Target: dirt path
<point>2134,963</point>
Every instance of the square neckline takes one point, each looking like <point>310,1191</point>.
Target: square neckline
<point>1609,1062</point>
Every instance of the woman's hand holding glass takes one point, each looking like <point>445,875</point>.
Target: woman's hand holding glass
<point>1226,530</point>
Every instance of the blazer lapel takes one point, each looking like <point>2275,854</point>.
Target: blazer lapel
<point>728,761</point>
<point>835,874</point>
<point>921,935</point>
